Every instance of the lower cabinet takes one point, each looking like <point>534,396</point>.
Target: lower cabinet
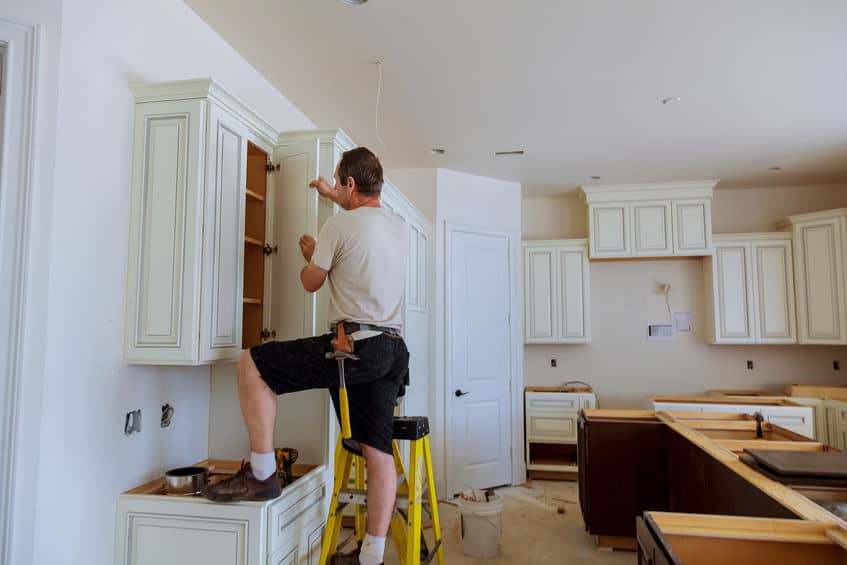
<point>551,423</point>
<point>156,529</point>
<point>835,414</point>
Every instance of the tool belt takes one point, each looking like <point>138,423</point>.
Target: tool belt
<point>350,327</point>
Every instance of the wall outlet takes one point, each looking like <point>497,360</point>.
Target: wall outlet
<point>132,423</point>
<point>167,414</point>
<point>552,362</point>
<point>836,365</point>
<point>750,365</point>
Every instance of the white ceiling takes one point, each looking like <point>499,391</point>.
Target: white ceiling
<point>578,85</point>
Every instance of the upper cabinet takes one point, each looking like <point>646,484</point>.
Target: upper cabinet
<point>649,220</point>
<point>556,291</point>
<point>184,276</point>
<point>819,275</point>
<point>750,289</point>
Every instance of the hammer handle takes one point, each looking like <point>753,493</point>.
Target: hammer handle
<point>345,413</point>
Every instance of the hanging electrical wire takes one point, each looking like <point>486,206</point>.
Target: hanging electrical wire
<point>378,96</point>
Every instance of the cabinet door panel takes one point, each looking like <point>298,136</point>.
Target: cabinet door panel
<point>413,266</point>
<point>173,540</point>
<point>821,283</point>
<point>651,228</point>
<point>540,287</point>
<point>733,296</point>
<point>608,228</point>
<point>223,238</point>
<point>692,225</point>
<point>773,288</point>
<point>162,309</point>
<point>571,296</point>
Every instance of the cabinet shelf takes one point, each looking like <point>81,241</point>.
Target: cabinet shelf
<point>248,300</point>
<point>255,196</point>
<point>253,241</point>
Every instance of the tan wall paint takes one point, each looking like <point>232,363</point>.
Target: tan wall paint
<point>620,363</point>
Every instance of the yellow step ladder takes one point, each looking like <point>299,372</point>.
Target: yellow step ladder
<point>406,521</point>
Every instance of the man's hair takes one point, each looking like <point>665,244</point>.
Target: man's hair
<point>361,164</point>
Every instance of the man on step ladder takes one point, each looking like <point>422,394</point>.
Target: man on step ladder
<point>361,252</point>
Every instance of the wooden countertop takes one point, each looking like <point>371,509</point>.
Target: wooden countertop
<point>817,391</point>
<point>792,500</point>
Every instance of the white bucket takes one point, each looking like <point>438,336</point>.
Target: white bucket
<point>480,526</point>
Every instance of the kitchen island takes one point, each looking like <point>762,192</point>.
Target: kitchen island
<point>633,461</point>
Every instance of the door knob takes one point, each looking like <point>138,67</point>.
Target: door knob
<point>459,393</point>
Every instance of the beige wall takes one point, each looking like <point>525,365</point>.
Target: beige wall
<point>620,363</point>
<point>419,186</point>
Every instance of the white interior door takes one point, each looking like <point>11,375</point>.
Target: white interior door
<point>479,358</point>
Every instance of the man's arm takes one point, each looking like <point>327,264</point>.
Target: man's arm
<point>312,277</point>
<point>327,191</point>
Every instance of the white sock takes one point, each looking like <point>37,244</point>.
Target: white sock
<point>263,464</point>
<point>372,550</point>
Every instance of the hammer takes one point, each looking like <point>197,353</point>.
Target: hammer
<point>342,348</point>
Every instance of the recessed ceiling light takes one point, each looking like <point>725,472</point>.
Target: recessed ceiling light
<point>354,2</point>
<point>438,151</point>
<point>775,168</point>
<point>516,153</point>
<point>595,177</point>
<point>671,99</point>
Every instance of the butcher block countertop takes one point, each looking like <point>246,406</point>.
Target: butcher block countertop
<point>817,391</point>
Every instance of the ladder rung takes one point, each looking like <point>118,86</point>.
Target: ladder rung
<point>358,496</point>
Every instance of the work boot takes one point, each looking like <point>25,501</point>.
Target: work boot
<point>345,558</point>
<point>243,486</point>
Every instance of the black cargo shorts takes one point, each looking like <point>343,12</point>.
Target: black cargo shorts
<point>374,381</point>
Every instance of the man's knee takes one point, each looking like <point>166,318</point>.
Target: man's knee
<point>247,372</point>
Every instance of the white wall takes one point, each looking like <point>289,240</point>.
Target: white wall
<point>419,186</point>
<point>621,365</point>
<point>481,202</point>
<point>76,454</point>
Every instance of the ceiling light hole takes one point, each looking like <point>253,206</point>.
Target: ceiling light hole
<point>515,153</point>
<point>775,168</point>
<point>595,177</point>
<point>354,2</point>
<point>671,99</point>
<point>438,151</point>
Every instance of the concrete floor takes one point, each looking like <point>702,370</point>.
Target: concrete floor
<point>533,531</point>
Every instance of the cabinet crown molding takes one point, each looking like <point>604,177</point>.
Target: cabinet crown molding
<point>205,88</point>
<point>812,217</point>
<point>648,191</point>
<point>329,135</point>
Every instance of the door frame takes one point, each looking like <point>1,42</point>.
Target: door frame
<point>518,467</point>
<point>17,161</point>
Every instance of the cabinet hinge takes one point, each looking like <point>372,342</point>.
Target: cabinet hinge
<point>270,167</point>
<point>266,333</point>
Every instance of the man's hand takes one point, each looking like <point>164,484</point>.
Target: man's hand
<point>323,188</point>
<point>307,247</point>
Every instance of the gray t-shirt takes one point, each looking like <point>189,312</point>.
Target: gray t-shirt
<point>365,252</point>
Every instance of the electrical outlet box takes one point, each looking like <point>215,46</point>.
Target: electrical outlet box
<point>659,331</point>
<point>132,423</point>
<point>750,365</point>
<point>552,362</point>
<point>836,365</point>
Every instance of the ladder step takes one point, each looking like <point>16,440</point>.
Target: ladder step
<point>360,497</point>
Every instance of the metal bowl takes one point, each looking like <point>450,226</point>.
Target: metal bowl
<point>186,480</point>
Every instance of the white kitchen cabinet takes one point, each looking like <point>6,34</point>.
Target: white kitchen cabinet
<point>153,528</point>
<point>799,419</point>
<point>184,281</point>
<point>692,226</point>
<point>551,428</point>
<point>652,233</point>
<point>819,276</point>
<point>609,226</point>
<point>750,289</point>
<point>556,292</point>
<point>649,220</point>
